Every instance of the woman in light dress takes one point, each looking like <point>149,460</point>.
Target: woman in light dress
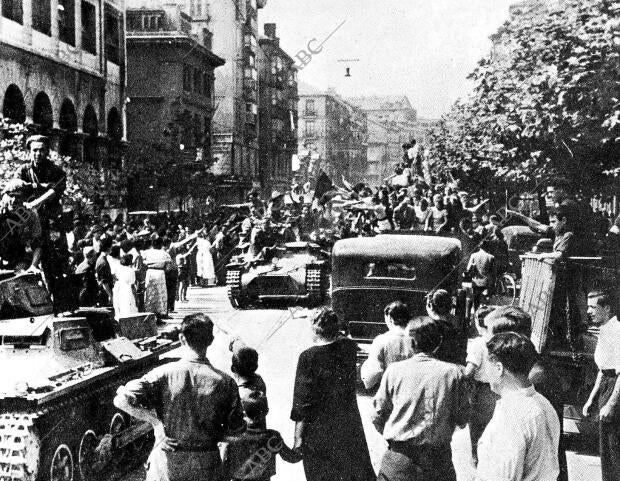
<point>125,288</point>
<point>157,261</point>
<point>204,261</point>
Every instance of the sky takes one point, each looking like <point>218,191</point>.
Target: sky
<point>421,48</point>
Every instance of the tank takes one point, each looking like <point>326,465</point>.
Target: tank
<point>295,272</point>
<point>59,377</point>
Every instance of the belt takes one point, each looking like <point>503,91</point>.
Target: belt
<point>609,372</point>
<point>418,452</point>
<point>194,448</point>
<point>157,268</point>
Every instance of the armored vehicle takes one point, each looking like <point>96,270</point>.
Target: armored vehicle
<point>59,376</point>
<point>295,271</point>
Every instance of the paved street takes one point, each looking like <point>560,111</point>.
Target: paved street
<point>280,334</point>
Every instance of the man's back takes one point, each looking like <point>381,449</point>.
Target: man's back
<point>197,403</point>
<point>484,264</point>
<point>521,441</point>
<point>421,400</point>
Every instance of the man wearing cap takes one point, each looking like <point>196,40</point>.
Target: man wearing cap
<point>47,180</point>
<point>20,228</point>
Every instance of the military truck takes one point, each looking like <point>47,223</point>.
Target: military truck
<point>59,376</point>
<point>560,328</point>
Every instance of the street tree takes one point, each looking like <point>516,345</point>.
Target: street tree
<point>544,103</point>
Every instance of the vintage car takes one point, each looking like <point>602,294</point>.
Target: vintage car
<point>296,272</point>
<point>566,342</point>
<point>370,272</point>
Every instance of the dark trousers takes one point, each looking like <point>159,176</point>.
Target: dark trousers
<point>403,462</point>
<point>172,278</point>
<point>609,433</point>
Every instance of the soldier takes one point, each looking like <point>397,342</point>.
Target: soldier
<point>196,406</point>
<point>47,180</point>
<point>48,183</point>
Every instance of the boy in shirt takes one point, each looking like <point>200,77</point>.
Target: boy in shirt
<point>252,455</point>
<point>521,441</point>
<point>391,346</point>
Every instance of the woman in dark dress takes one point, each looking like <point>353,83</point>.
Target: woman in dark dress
<point>328,424</point>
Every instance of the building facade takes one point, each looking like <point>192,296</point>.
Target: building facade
<point>401,122</point>
<point>277,113</point>
<point>62,71</point>
<point>332,136</point>
<point>235,149</point>
<point>171,104</point>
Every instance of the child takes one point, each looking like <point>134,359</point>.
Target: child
<point>251,456</point>
<point>244,366</point>
<point>482,398</point>
<point>183,272</point>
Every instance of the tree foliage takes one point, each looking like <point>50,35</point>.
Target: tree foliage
<point>544,103</point>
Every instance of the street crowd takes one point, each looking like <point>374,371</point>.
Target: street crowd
<point>430,381</point>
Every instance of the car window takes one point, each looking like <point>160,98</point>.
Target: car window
<point>390,270</point>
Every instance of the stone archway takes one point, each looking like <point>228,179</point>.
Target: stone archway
<point>115,125</point>
<point>42,113</point>
<point>67,121</point>
<point>13,105</point>
<point>90,127</point>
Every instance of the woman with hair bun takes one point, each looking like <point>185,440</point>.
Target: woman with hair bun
<point>328,428</point>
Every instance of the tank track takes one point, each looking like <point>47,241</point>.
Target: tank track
<point>17,443</point>
<point>22,449</point>
<point>233,287</point>
<point>315,285</point>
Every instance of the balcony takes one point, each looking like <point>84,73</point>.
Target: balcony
<point>160,23</point>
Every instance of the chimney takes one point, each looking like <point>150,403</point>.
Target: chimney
<point>270,30</point>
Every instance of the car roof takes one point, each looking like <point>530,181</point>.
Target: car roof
<point>396,246</point>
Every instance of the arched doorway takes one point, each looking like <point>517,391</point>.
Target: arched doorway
<point>115,125</point>
<point>115,134</point>
<point>42,115</point>
<point>90,127</point>
<point>13,106</point>
<point>67,121</point>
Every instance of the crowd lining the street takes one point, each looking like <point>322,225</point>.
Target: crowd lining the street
<point>430,381</point>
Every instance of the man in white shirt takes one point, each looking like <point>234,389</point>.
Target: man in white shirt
<point>389,347</point>
<point>520,443</point>
<point>607,386</point>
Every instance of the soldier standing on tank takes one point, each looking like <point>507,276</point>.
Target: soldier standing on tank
<point>48,183</point>
<point>195,405</point>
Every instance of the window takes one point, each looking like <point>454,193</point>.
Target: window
<point>390,270</point>
<point>42,16</point>
<point>310,128</point>
<point>197,81</point>
<point>66,21</point>
<point>112,35</point>
<point>89,28</point>
<point>310,110</point>
<point>13,10</point>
